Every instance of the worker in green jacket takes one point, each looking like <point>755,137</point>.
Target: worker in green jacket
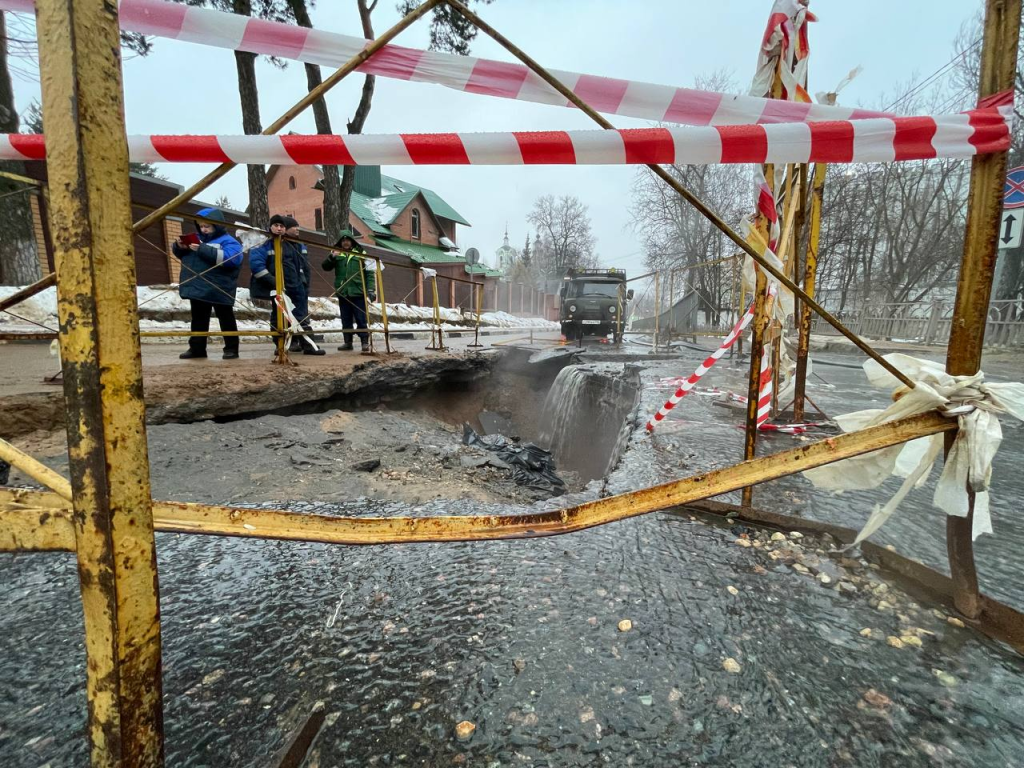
<point>354,285</point>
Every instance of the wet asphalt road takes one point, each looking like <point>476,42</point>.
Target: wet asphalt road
<point>521,639</point>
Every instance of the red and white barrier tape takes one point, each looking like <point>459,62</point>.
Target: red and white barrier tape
<point>610,95</point>
<point>882,140</point>
<point>704,367</point>
<point>764,390</point>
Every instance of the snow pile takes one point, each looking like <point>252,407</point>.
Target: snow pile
<point>41,308</point>
<point>160,308</point>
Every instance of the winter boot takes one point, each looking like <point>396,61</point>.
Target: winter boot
<point>191,355</point>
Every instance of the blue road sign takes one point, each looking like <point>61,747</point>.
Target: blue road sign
<point>1013,191</point>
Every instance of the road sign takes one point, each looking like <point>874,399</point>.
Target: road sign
<point>1010,228</point>
<point>1013,190</point>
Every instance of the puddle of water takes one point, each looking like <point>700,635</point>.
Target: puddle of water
<point>404,642</point>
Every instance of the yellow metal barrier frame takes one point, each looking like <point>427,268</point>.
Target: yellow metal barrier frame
<point>106,515</point>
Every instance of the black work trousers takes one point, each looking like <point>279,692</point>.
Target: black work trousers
<point>201,312</point>
<point>353,315</point>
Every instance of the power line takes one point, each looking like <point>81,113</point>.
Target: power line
<point>936,74</point>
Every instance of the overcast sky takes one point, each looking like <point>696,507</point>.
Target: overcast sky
<point>186,88</point>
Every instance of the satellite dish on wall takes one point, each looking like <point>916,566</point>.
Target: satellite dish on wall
<point>472,256</point>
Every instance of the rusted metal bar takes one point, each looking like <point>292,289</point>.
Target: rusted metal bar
<point>179,517</point>
<point>974,286</point>
<point>28,336</point>
<point>35,469</point>
<point>810,276</point>
<point>29,291</point>
<point>759,327</point>
<point>309,98</point>
<point>90,217</point>
<point>691,198</point>
<point>36,529</point>
<point>295,752</point>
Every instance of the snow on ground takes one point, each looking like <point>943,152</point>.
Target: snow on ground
<point>161,309</point>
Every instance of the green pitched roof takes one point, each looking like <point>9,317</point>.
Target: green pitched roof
<point>391,186</point>
<point>360,205</point>
<point>422,254</point>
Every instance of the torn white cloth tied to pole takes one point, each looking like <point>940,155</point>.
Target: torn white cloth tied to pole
<point>292,325</point>
<point>972,401</point>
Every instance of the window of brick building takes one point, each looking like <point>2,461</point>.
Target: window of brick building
<point>291,182</point>
<point>416,223</point>
<point>318,217</point>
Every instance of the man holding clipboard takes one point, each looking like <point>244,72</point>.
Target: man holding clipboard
<point>210,262</point>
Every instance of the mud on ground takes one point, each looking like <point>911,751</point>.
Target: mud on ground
<point>338,456</point>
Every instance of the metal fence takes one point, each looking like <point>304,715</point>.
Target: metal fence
<point>929,322</point>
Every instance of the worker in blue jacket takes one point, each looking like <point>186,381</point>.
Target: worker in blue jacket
<point>209,277</point>
<point>294,264</point>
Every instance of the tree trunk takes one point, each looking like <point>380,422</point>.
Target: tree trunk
<point>248,93</point>
<point>19,262</point>
<point>334,221</point>
<point>355,125</point>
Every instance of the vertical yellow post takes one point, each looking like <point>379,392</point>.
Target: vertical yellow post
<point>974,287</point>
<point>810,277</point>
<point>479,310</point>
<point>757,337</point>
<point>743,302</point>
<point>439,343</point>
<point>282,347</point>
<point>761,322</point>
<point>383,307</point>
<point>366,302</point>
<point>90,217</point>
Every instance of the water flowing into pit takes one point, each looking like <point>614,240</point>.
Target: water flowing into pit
<point>585,417</point>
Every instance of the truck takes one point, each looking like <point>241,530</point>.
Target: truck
<point>592,302</point>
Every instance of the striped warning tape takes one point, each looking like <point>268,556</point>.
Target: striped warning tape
<point>704,367</point>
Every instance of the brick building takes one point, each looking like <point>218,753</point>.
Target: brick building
<point>407,226</point>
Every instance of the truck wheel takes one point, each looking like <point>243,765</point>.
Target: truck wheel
<point>569,331</point>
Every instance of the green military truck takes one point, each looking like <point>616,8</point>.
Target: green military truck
<point>592,302</point>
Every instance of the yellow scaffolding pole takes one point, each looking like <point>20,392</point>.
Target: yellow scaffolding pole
<point>90,216</point>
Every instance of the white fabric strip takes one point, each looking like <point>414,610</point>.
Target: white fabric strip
<point>598,147</point>
<point>266,150</point>
<point>383,149</point>
<point>873,140</point>
<point>953,136</point>
<point>697,146</point>
<point>483,149</point>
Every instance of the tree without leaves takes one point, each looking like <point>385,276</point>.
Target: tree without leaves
<point>564,239</point>
<point>674,235</point>
<point>223,203</point>
<point>19,260</point>
<point>337,192</point>
<point>248,92</point>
